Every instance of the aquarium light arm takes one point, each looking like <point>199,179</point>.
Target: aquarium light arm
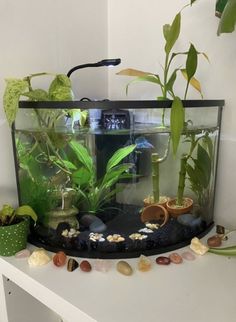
<point>104,62</point>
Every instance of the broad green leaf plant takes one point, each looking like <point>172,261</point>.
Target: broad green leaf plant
<point>167,81</point>
<point>95,194</point>
<point>228,18</point>
<point>9,215</point>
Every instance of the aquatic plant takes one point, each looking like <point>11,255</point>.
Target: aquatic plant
<point>171,34</point>
<point>95,194</point>
<point>199,169</point>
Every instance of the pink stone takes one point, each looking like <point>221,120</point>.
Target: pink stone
<point>59,259</point>
<point>175,258</point>
<point>188,256</point>
<point>24,253</point>
<point>101,265</point>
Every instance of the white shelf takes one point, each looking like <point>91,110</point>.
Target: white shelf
<point>199,291</point>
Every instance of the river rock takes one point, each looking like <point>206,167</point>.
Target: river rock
<point>39,257</point>
<point>124,268</point>
<point>188,256</point>
<point>72,265</point>
<point>85,266</point>
<point>59,259</point>
<point>97,226</point>
<point>24,253</point>
<point>102,265</point>
<point>175,258</point>
<point>189,220</point>
<point>163,260</point>
<point>214,241</point>
<point>144,264</point>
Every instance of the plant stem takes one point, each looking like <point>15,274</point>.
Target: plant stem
<point>155,177</point>
<point>182,175</point>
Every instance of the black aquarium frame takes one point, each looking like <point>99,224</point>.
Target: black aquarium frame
<point>118,105</point>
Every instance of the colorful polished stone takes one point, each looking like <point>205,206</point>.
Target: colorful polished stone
<point>39,257</point>
<point>198,247</point>
<point>188,256</point>
<point>214,241</point>
<point>175,258</point>
<point>85,266</point>
<point>24,253</point>
<point>102,265</point>
<point>144,264</point>
<point>124,268</point>
<point>72,265</point>
<point>59,259</point>
<point>163,260</point>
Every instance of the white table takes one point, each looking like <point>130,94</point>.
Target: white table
<point>200,291</point>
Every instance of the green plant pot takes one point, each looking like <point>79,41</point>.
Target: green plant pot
<point>13,238</point>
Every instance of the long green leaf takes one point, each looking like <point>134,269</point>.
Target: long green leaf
<point>228,18</point>
<point>26,211</point>
<point>204,163</point>
<point>191,62</point>
<point>171,81</point>
<point>173,33</point>
<point>166,31</point>
<point>119,155</point>
<point>148,78</point>
<point>14,89</point>
<point>81,176</point>
<point>63,163</point>
<point>226,251</point>
<point>177,117</point>
<point>83,156</point>
<point>112,176</point>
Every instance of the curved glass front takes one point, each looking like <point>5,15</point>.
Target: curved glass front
<point>105,183</point>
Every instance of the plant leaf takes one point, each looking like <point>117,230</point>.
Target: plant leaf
<point>83,156</point>
<point>60,89</point>
<point>119,155</point>
<point>148,78</point>
<point>228,18</point>
<point>207,140</point>
<point>26,211</point>
<point>81,176</point>
<point>173,33</point>
<point>62,163</point>
<point>177,117</point>
<point>171,81</point>
<point>37,95</point>
<point>193,82</point>
<point>166,31</point>
<point>114,174</point>
<point>203,162</point>
<point>14,89</point>
<point>133,72</point>
<point>191,62</point>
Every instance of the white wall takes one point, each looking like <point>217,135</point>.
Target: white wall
<point>54,36</point>
<point>135,35</point>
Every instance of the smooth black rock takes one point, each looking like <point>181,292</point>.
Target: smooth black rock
<point>72,265</point>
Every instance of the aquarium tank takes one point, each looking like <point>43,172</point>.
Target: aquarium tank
<point>104,181</point>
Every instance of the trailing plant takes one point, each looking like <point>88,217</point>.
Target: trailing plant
<point>9,215</point>
<point>95,194</point>
<point>166,83</point>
